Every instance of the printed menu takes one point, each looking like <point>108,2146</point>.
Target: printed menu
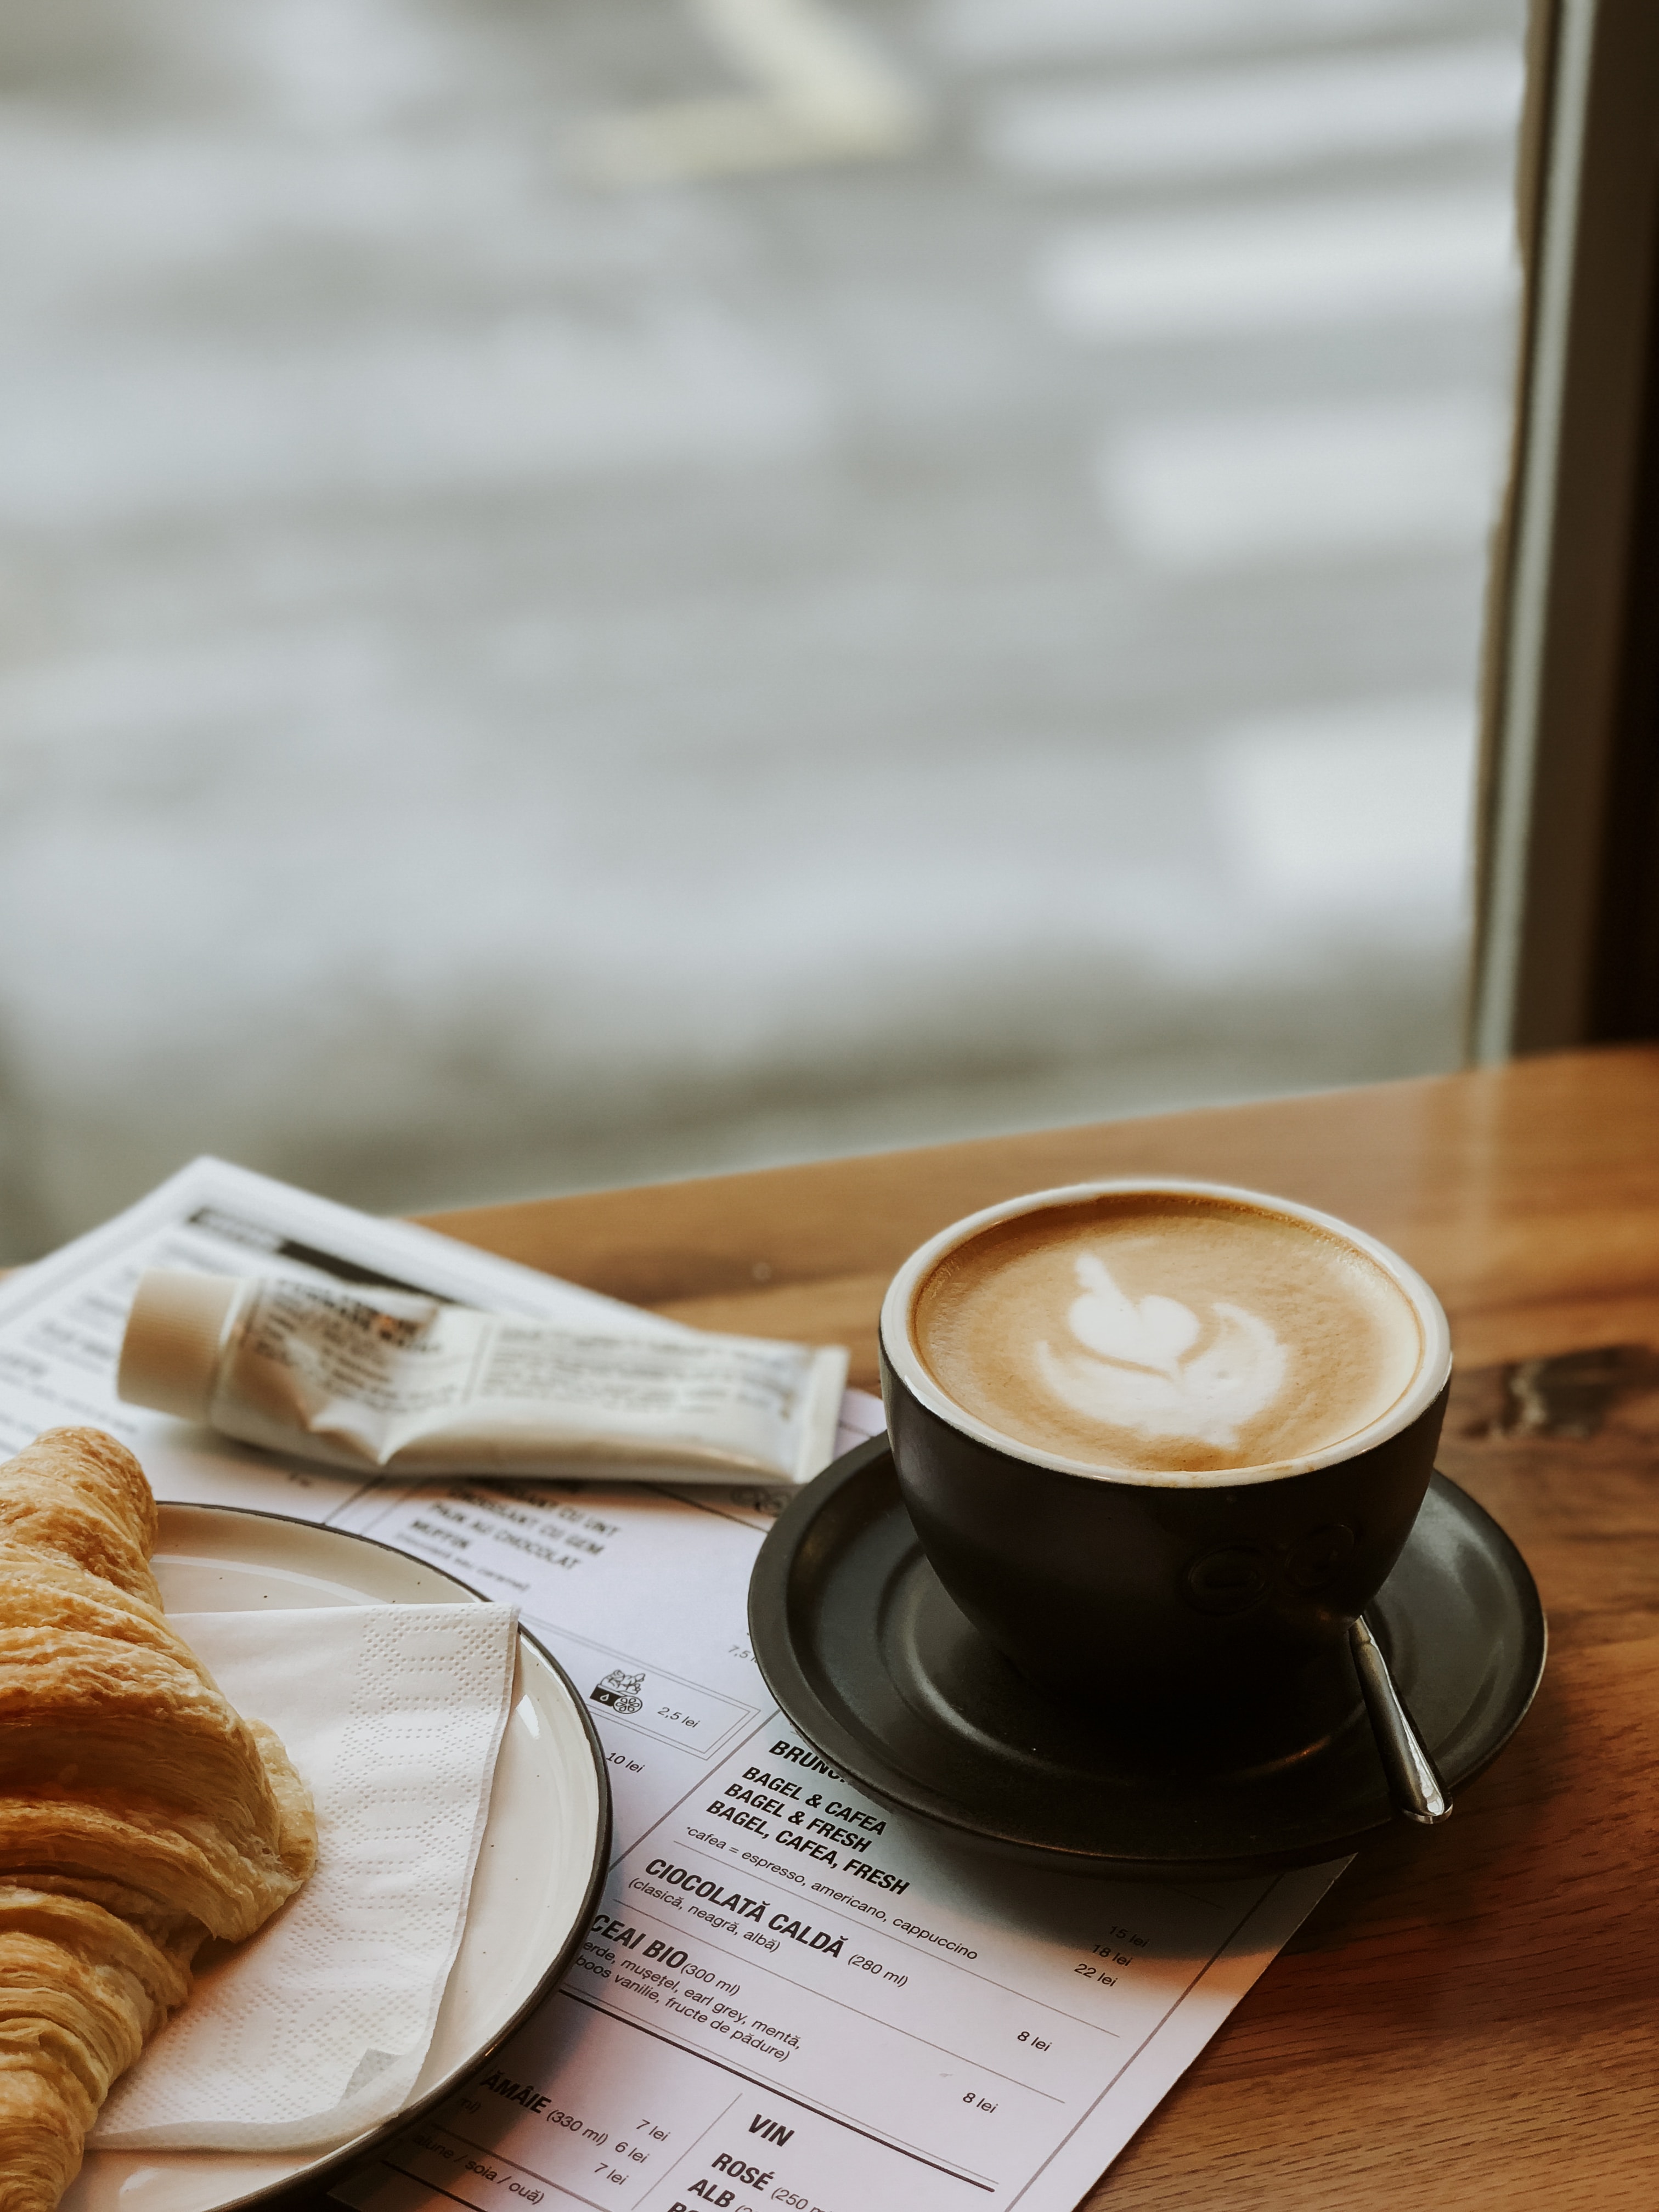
<point>788,1995</point>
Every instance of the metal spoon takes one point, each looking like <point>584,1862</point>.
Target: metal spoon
<point>1413,1781</point>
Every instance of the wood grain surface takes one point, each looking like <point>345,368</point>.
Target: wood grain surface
<point>1471,2018</point>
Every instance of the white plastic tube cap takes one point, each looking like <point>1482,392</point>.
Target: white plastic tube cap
<point>174,1332</point>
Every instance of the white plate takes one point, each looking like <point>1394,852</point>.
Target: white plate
<point>545,1842</point>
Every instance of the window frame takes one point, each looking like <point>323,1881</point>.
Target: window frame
<point>1567,906</point>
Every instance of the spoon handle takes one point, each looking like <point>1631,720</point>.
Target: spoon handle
<point>1413,1781</point>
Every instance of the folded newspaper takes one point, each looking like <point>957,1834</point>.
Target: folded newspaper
<point>386,1381</point>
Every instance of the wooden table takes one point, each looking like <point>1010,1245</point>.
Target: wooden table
<point>1472,2016</point>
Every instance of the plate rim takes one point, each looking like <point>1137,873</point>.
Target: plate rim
<point>328,2161</point>
<point>775,1649</point>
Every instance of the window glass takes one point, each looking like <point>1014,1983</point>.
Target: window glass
<point>601,588</point>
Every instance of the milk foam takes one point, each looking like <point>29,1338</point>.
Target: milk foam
<point>1161,1332</point>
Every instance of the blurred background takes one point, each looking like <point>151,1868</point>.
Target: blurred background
<point>601,589</point>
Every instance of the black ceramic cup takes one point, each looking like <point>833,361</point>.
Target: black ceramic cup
<point>1156,1597</point>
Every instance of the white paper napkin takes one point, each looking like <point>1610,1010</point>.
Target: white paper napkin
<point>317,2026</point>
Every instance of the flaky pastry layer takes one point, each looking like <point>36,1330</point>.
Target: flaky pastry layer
<point>139,1811</point>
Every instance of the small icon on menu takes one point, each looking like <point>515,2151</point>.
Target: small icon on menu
<point>620,1691</point>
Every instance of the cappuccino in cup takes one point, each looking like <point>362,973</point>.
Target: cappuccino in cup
<point>1163,1441</point>
<point>1166,1332</point>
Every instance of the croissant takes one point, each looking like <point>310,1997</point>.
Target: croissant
<point>139,1814</point>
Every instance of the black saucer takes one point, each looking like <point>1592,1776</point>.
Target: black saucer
<point>880,1673</point>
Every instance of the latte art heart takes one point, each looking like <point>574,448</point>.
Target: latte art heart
<point>1160,1331</point>
<point>1131,1375</point>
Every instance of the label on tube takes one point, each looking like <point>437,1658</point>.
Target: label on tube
<point>390,1381</point>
